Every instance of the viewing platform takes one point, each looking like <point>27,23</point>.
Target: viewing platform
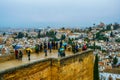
<point>34,57</point>
<point>51,67</point>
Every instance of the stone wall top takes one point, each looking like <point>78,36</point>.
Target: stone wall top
<point>25,65</point>
<point>76,54</point>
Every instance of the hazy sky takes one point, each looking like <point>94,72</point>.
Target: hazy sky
<point>30,13</point>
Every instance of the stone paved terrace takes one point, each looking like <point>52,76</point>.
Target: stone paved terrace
<point>34,57</point>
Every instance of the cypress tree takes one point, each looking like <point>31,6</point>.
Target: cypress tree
<point>94,46</point>
<point>96,71</point>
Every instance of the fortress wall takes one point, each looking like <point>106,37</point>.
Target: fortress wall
<point>74,67</point>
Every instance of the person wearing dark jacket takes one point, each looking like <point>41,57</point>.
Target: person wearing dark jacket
<point>45,51</point>
<point>28,53</point>
<point>56,45</point>
<point>60,44</point>
<point>41,47</point>
<point>50,47</point>
<point>20,55</point>
<point>16,54</point>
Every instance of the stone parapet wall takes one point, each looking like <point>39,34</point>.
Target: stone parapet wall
<point>74,67</point>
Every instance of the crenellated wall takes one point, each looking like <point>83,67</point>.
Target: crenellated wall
<point>74,67</point>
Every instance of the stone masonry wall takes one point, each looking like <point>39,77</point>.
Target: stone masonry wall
<point>39,70</point>
<point>77,67</point>
<point>74,67</point>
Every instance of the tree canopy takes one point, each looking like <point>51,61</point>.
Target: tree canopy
<point>115,60</point>
<point>20,35</point>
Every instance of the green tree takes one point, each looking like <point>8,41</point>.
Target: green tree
<point>108,27</point>
<point>115,60</point>
<point>87,39</point>
<point>29,37</point>
<point>100,36</point>
<point>97,35</point>
<point>4,34</point>
<point>117,40</point>
<point>96,71</point>
<point>116,26</point>
<point>20,35</point>
<point>90,28</point>
<point>26,35</point>
<point>63,28</point>
<point>51,33</point>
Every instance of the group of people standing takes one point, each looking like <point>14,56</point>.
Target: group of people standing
<point>39,48</point>
<point>76,46</point>
<point>45,46</point>
<point>18,54</point>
